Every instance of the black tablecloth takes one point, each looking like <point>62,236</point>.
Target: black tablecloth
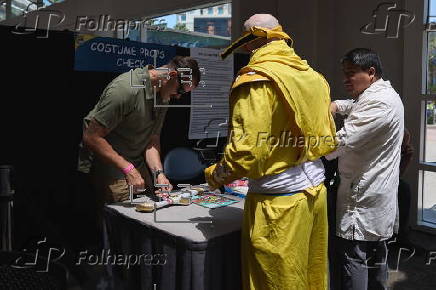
<point>181,262</point>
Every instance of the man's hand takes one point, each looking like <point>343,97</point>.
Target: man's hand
<point>162,179</point>
<point>134,178</point>
<point>208,174</point>
<point>333,108</point>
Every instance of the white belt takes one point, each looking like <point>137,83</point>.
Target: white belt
<point>293,179</point>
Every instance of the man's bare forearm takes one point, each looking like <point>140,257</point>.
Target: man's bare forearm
<point>152,154</point>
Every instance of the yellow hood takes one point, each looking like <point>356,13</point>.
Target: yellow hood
<point>305,90</point>
<point>280,52</point>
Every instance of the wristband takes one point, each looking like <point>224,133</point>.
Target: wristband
<point>159,171</point>
<point>128,168</point>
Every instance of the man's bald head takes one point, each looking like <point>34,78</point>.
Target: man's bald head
<point>261,20</point>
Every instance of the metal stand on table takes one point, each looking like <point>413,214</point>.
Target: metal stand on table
<point>131,193</point>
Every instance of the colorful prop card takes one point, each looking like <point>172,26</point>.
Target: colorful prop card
<point>212,200</point>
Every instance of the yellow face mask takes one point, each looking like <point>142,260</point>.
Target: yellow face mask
<point>254,33</point>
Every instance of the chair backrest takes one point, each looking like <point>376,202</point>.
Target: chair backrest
<point>183,163</point>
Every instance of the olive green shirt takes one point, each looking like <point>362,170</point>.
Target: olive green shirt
<point>126,108</point>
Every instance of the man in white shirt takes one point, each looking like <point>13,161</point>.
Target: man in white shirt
<point>369,154</point>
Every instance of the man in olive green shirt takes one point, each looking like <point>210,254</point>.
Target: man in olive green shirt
<point>121,135</point>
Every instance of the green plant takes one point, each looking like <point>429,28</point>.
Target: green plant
<point>181,27</point>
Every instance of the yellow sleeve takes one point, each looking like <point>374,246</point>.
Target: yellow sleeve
<point>251,114</point>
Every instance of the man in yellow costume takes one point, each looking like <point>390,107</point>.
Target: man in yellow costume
<point>280,127</point>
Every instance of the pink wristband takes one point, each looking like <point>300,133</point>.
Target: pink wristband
<point>128,168</point>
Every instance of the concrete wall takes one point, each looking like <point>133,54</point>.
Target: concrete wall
<point>325,30</point>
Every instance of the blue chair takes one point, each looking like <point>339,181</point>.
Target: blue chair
<point>184,165</point>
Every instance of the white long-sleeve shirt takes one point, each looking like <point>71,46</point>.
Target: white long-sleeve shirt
<point>369,159</point>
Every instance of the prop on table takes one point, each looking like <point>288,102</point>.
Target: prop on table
<point>132,191</point>
<point>238,187</point>
<point>181,197</point>
<point>212,200</point>
<point>185,196</point>
<point>176,198</point>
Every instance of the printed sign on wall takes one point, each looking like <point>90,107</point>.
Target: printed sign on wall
<point>118,55</point>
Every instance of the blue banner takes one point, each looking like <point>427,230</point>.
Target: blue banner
<point>118,55</point>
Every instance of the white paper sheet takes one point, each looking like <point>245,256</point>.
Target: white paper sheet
<point>206,121</point>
